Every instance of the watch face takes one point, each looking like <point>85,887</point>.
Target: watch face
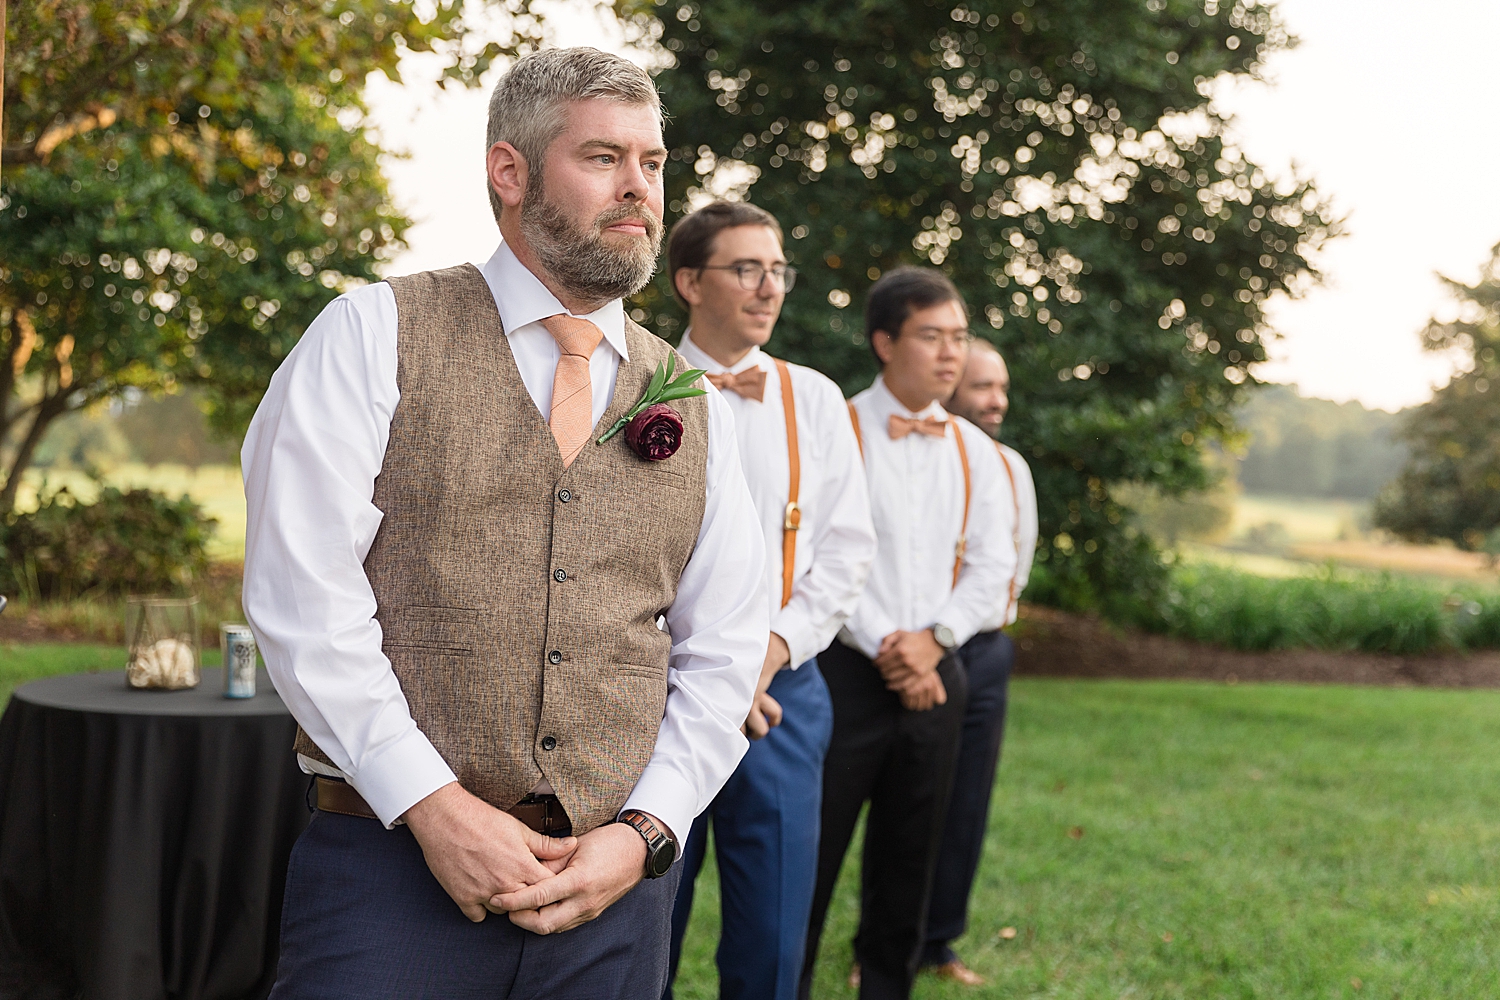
<point>661,859</point>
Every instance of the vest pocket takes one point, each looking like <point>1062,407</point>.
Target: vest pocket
<point>451,629</point>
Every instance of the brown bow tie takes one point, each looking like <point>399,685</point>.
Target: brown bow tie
<point>750,383</point>
<point>901,426</point>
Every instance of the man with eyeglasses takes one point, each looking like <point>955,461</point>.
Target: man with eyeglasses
<point>801,461</point>
<point>943,557</point>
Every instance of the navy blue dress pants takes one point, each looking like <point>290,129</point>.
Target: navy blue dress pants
<point>765,824</point>
<point>987,661</point>
<point>365,920</point>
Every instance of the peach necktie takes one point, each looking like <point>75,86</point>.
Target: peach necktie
<point>750,383</point>
<point>900,426</point>
<point>572,418</point>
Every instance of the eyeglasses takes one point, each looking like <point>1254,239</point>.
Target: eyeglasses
<point>932,338</point>
<point>751,275</point>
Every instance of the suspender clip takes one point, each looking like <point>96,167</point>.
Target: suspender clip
<point>793,519</point>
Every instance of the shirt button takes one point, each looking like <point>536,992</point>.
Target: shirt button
<point>564,495</point>
<point>549,743</point>
<point>554,657</point>
<point>560,575</point>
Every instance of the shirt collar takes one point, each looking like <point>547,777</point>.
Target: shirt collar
<point>523,299</point>
<point>699,358</point>
<point>886,404</point>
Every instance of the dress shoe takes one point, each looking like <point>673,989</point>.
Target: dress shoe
<point>956,971</point>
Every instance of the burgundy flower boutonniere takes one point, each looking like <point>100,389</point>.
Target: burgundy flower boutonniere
<point>652,428</point>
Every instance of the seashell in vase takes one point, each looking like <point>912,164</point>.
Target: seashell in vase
<point>166,663</point>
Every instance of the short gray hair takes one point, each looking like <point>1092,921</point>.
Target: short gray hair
<point>528,108</point>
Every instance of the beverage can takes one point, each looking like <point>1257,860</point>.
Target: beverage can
<point>238,645</point>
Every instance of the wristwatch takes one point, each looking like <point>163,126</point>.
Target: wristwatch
<point>661,850</point>
<point>945,637</point>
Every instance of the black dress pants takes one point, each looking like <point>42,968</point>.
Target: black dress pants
<point>987,661</point>
<point>902,763</point>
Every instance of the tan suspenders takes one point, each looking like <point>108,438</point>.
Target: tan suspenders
<point>963,460</point>
<point>963,534</point>
<point>1015,537</point>
<point>793,517</point>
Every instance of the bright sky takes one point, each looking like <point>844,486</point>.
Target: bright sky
<point>1386,103</point>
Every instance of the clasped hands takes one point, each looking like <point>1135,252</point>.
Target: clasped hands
<point>765,711</point>
<point>908,661</point>
<point>490,862</point>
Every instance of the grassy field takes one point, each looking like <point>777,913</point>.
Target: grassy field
<point>1305,530</point>
<point>1181,840</point>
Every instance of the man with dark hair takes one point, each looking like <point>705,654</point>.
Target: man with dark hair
<point>802,463</point>
<point>458,575</point>
<point>943,557</point>
<point>982,397</point>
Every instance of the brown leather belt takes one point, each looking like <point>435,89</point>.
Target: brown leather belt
<point>543,813</point>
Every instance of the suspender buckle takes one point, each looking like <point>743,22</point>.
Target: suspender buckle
<point>961,547</point>
<point>793,519</point>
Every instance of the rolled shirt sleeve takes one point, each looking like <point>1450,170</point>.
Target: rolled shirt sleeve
<point>719,625</point>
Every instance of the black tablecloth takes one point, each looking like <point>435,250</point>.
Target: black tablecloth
<point>144,838</point>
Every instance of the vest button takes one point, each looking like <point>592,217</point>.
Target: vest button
<point>564,495</point>
<point>554,657</point>
<point>549,743</point>
<point>559,575</point>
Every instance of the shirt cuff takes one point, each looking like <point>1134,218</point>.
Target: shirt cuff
<point>798,636</point>
<point>402,775</point>
<point>669,797</point>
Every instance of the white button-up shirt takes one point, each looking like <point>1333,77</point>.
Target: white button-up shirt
<point>1020,494</point>
<point>836,540</point>
<point>917,498</point>
<point>311,456</point>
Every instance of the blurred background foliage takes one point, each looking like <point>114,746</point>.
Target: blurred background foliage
<point>1063,164</point>
<point>1450,487</point>
<point>185,185</point>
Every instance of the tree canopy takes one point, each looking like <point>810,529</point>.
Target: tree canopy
<point>185,185</point>
<point>1063,163</point>
<point>1450,487</point>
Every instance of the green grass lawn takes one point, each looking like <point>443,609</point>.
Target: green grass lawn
<point>1250,841</point>
<point>1197,841</point>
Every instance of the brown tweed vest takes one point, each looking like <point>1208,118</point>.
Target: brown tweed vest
<point>518,600</point>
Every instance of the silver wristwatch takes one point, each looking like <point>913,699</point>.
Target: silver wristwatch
<point>945,637</point>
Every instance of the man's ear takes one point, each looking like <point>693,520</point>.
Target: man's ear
<point>508,174</point>
<point>685,280</point>
<point>884,344</point>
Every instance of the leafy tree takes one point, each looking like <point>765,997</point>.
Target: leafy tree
<point>1316,447</point>
<point>1062,163</point>
<point>1450,487</point>
<point>186,184</point>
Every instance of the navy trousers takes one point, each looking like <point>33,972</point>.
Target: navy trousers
<point>987,661</point>
<point>765,824</point>
<point>365,920</point>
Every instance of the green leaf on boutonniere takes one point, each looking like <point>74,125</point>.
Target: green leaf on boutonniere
<point>663,388</point>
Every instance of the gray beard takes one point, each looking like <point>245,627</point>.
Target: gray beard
<point>581,261</point>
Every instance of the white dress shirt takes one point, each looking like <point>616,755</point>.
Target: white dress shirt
<point>836,540</point>
<point>917,498</point>
<point>1022,501</point>
<point>311,457</point>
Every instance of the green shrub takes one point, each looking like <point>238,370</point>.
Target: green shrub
<point>135,542</point>
<point>1373,613</point>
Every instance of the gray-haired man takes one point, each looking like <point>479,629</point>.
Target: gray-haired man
<point>456,576</point>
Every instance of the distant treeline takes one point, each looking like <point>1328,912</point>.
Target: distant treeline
<point>170,429</point>
<point>1315,447</point>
